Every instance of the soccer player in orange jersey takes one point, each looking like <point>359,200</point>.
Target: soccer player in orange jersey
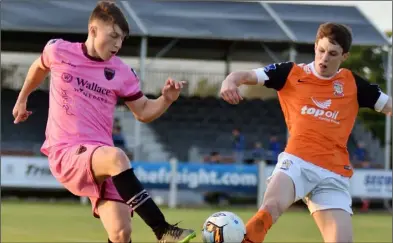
<point>320,103</point>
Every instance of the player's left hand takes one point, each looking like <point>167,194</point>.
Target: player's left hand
<point>20,112</point>
<point>230,92</point>
<point>172,89</point>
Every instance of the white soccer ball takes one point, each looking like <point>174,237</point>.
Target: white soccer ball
<point>223,227</point>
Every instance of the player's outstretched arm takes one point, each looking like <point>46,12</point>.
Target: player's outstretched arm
<point>230,86</point>
<point>272,76</point>
<point>35,76</point>
<point>147,110</point>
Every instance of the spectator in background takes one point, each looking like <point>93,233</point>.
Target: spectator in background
<point>213,158</point>
<point>239,145</point>
<point>116,122</point>
<point>361,158</point>
<point>365,201</point>
<point>274,149</point>
<point>258,153</point>
<point>216,158</point>
<point>118,138</point>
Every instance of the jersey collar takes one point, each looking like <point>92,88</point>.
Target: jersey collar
<point>84,50</point>
<point>312,68</point>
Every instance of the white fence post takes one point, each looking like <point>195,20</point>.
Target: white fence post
<point>261,182</point>
<point>172,201</point>
<point>84,200</point>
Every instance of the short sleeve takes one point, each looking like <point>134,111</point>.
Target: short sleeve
<point>130,90</point>
<point>369,95</point>
<point>48,54</point>
<point>275,75</point>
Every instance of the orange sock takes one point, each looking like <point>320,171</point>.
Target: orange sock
<point>258,226</point>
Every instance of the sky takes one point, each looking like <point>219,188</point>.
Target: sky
<point>379,12</point>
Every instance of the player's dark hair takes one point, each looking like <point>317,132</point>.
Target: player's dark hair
<point>337,34</point>
<point>108,12</point>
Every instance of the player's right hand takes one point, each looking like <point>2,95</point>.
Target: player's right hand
<point>230,92</point>
<point>20,113</point>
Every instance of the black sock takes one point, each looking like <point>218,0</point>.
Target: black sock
<point>133,193</point>
<point>109,241</point>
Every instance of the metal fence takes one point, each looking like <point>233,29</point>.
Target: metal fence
<point>199,83</point>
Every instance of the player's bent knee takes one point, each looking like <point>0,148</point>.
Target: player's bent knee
<point>118,160</point>
<point>121,235</point>
<point>108,161</point>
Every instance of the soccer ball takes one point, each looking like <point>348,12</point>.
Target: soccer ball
<point>223,227</point>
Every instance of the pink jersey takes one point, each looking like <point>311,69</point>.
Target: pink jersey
<point>83,95</point>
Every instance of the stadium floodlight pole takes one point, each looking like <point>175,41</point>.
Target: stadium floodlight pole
<point>142,75</point>
<point>388,119</point>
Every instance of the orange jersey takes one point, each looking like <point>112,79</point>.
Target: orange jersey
<point>320,113</point>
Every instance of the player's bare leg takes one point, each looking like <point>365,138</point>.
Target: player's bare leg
<point>335,225</point>
<point>113,162</point>
<point>115,216</point>
<point>279,196</point>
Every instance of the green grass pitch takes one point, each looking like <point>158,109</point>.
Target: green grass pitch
<point>68,222</point>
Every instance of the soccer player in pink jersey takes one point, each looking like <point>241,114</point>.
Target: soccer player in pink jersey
<point>86,80</point>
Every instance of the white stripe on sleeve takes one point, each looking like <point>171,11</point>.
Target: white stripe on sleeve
<point>261,75</point>
<point>381,102</point>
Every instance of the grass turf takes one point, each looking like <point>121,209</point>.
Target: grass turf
<point>71,222</point>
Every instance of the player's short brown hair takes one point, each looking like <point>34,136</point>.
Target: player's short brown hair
<point>108,12</point>
<point>337,34</point>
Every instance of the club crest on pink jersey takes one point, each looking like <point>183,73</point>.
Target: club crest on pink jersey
<point>109,73</point>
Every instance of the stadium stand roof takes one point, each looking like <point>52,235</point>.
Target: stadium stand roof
<point>303,21</point>
<point>206,20</point>
<point>216,26</point>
